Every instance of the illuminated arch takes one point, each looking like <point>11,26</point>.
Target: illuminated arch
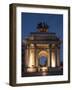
<point>43,58</point>
<point>43,53</point>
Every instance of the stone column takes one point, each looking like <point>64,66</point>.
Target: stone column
<point>28,48</point>
<point>48,58</point>
<point>55,56</point>
<point>37,61</point>
<point>50,52</point>
<point>31,57</point>
<point>31,62</point>
<point>58,56</point>
<point>36,58</point>
<point>35,54</point>
<point>26,56</point>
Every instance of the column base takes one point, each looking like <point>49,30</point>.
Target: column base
<point>31,69</point>
<point>42,69</point>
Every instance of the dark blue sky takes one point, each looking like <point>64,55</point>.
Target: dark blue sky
<point>54,21</point>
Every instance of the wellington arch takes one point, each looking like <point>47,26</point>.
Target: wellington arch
<point>41,51</point>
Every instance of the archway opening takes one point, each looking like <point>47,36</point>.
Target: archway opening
<point>43,61</point>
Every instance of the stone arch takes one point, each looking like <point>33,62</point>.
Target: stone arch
<point>44,56</point>
<point>43,53</point>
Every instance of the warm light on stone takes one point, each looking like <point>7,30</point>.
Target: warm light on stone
<point>44,69</point>
<point>53,59</point>
<point>30,69</point>
<point>43,53</point>
<point>31,59</point>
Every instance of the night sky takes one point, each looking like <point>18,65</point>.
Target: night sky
<point>54,21</point>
